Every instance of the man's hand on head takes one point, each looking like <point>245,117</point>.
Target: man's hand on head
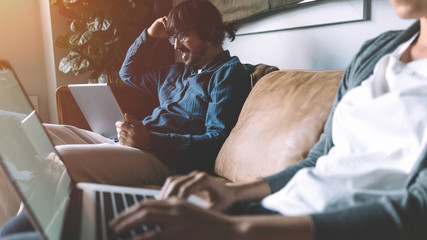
<point>158,28</point>
<point>133,133</point>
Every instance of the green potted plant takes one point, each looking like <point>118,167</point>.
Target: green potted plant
<point>101,31</point>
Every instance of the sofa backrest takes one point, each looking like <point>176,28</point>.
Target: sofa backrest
<point>280,122</point>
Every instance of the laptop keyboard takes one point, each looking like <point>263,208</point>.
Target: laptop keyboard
<point>108,205</point>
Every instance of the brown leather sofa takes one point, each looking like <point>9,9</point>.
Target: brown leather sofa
<point>281,119</point>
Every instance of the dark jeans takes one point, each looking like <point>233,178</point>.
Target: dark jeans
<point>20,227</point>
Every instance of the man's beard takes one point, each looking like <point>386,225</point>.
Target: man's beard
<point>195,57</point>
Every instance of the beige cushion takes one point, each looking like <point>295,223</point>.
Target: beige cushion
<point>281,120</point>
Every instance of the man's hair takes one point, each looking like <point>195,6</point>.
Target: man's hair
<point>202,17</point>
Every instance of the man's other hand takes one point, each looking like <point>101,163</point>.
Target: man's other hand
<point>133,133</point>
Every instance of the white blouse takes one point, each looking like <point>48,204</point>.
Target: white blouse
<point>379,130</point>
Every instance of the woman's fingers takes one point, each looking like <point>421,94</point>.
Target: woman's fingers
<point>151,212</point>
<point>173,184</point>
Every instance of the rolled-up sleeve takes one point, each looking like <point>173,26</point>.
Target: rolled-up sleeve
<point>137,69</point>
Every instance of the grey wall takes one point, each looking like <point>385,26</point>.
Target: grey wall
<point>326,47</point>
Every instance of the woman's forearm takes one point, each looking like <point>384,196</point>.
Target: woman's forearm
<point>273,227</point>
<point>254,191</point>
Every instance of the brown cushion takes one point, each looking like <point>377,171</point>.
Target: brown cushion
<point>281,120</point>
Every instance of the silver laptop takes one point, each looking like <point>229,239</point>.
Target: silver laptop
<point>99,106</point>
<point>58,207</point>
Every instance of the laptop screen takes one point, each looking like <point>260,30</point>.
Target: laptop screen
<point>29,157</point>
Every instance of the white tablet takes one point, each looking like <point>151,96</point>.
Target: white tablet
<point>99,106</point>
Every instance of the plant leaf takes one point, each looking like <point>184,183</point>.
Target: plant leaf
<point>69,1</point>
<point>99,24</point>
<point>83,66</point>
<point>65,65</point>
<point>103,78</point>
<point>73,62</point>
<point>73,26</point>
<point>76,26</point>
<point>80,39</point>
<point>74,39</point>
<point>85,38</point>
<point>93,78</point>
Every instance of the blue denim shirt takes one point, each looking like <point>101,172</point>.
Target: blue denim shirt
<point>197,109</point>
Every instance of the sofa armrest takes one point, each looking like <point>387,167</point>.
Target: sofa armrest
<point>130,100</point>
